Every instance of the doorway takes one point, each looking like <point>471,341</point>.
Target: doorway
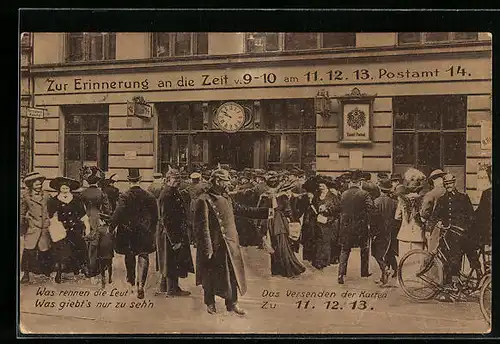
<point>235,150</point>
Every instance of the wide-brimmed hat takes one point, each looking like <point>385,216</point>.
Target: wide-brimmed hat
<point>92,174</point>
<point>134,175</point>
<point>221,173</point>
<point>56,183</point>
<point>31,177</point>
<point>385,185</point>
<point>436,173</point>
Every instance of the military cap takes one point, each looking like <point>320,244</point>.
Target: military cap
<point>356,175</point>
<point>385,185</point>
<point>382,175</point>
<point>157,175</point>
<point>449,178</point>
<point>396,177</point>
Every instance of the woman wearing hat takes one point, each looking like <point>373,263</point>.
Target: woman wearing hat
<point>36,257</point>
<point>68,253</point>
<point>411,234</point>
<point>283,260</point>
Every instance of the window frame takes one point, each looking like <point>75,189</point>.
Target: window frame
<point>451,39</point>
<point>282,43</point>
<point>171,44</point>
<point>174,133</point>
<point>107,54</point>
<point>81,133</point>
<point>284,133</point>
<point>442,132</point>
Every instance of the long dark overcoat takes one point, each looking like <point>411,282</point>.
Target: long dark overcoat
<point>216,235</point>
<point>136,216</point>
<point>356,206</point>
<point>173,230</point>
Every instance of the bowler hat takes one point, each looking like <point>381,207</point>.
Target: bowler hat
<point>56,183</point>
<point>436,173</point>
<point>385,185</point>
<point>134,175</point>
<point>221,173</point>
<point>31,177</point>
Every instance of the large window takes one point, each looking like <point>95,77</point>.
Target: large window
<point>179,43</point>
<point>265,41</point>
<point>86,139</point>
<point>434,37</point>
<point>291,125</point>
<point>430,133</point>
<point>90,46</point>
<point>180,144</point>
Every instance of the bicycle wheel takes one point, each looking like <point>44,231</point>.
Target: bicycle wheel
<point>485,299</point>
<point>420,275</point>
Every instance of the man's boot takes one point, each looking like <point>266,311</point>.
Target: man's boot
<point>142,271</point>
<point>163,284</point>
<point>130,267</point>
<point>173,288</point>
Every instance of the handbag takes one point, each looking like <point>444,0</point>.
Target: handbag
<point>56,229</point>
<point>294,229</point>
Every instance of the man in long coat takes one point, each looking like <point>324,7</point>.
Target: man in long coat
<point>173,252</point>
<point>35,228</point>
<point>356,205</point>
<point>94,199</point>
<point>483,214</point>
<point>219,261</point>
<point>136,215</point>
<point>382,225</point>
<point>192,191</point>
<point>427,208</point>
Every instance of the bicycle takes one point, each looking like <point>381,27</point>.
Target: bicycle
<point>421,275</point>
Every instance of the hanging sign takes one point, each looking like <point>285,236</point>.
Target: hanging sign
<point>483,182</point>
<point>139,108</point>
<point>356,110</point>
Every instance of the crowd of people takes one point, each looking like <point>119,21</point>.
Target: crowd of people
<point>219,210</point>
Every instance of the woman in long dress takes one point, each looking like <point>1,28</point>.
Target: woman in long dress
<point>68,253</point>
<point>411,234</point>
<point>283,260</point>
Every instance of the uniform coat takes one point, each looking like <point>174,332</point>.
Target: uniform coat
<point>137,214</point>
<point>112,193</point>
<point>95,202</point>
<point>356,206</point>
<point>216,234</point>
<point>34,211</point>
<point>173,230</point>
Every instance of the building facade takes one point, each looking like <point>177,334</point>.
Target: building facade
<point>251,100</point>
<point>26,85</point>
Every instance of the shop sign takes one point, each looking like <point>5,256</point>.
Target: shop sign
<point>486,135</point>
<point>32,112</point>
<point>139,108</point>
<point>356,110</point>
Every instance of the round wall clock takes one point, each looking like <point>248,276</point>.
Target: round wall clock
<point>230,117</point>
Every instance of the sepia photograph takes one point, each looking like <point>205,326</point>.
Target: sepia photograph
<point>255,183</point>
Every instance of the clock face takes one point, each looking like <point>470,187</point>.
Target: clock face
<point>230,117</point>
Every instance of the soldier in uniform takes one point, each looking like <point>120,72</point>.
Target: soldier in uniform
<point>428,204</point>
<point>173,252</point>
<point>455,209</point>
<point>155,189</point>
<point>136,215</point>
<point>219,261</point>
<point>193,191</point>
<point>483,214</point>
